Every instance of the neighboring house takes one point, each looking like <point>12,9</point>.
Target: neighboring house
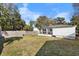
<point>35,29</point>
<point>62,31</point>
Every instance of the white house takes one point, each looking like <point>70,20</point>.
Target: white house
<point>63,31</point>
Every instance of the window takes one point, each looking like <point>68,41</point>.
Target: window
<point>50,31</point>
<point>44,31</point>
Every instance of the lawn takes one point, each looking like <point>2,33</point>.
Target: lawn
<point>32,45</point>
<point>27,46</point>
<point>59,48</point>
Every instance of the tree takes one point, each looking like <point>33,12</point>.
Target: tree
<point>41,21</point>
<point>16,20</point>
<point>60,20</point>
<point>32,24</point>
<point>10,20</point>
<point>28,28</point>
<point>75,17</point>
<point>75,21</point>
<point>4,17</point>
<point>51,22</point>
<point>44,21</point>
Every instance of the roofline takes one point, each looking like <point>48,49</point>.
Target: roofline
<point>59,26</point>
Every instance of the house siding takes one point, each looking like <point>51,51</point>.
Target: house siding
<point>62,32</point>
<point>68,32</point>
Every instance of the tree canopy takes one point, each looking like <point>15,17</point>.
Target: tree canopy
<point>60,20</point>
<point>45,21</point>
<point>10,20</point>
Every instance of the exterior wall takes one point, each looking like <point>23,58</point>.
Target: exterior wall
<point>68,32</point>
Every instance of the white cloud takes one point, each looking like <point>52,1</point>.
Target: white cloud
<point>26,14</point>
<point>66,15</point>
<point>63,14</point>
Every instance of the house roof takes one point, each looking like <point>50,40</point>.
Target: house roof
<point>58,26</point>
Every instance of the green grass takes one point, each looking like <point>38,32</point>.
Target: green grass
<point>60,48</point>
<point>31,45</point>
<point>26,46</point>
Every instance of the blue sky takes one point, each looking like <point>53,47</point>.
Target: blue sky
<point>32,11</point>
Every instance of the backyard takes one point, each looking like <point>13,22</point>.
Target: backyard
<point>28,45</point>
<point>32,45</point>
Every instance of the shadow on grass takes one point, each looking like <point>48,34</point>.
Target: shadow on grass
<point>12,39</point>
<point>8,41</point>
<point>59,48</point>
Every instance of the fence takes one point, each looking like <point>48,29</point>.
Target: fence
<point>8,34</point>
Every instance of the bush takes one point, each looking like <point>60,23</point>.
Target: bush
<point>28,28</point>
